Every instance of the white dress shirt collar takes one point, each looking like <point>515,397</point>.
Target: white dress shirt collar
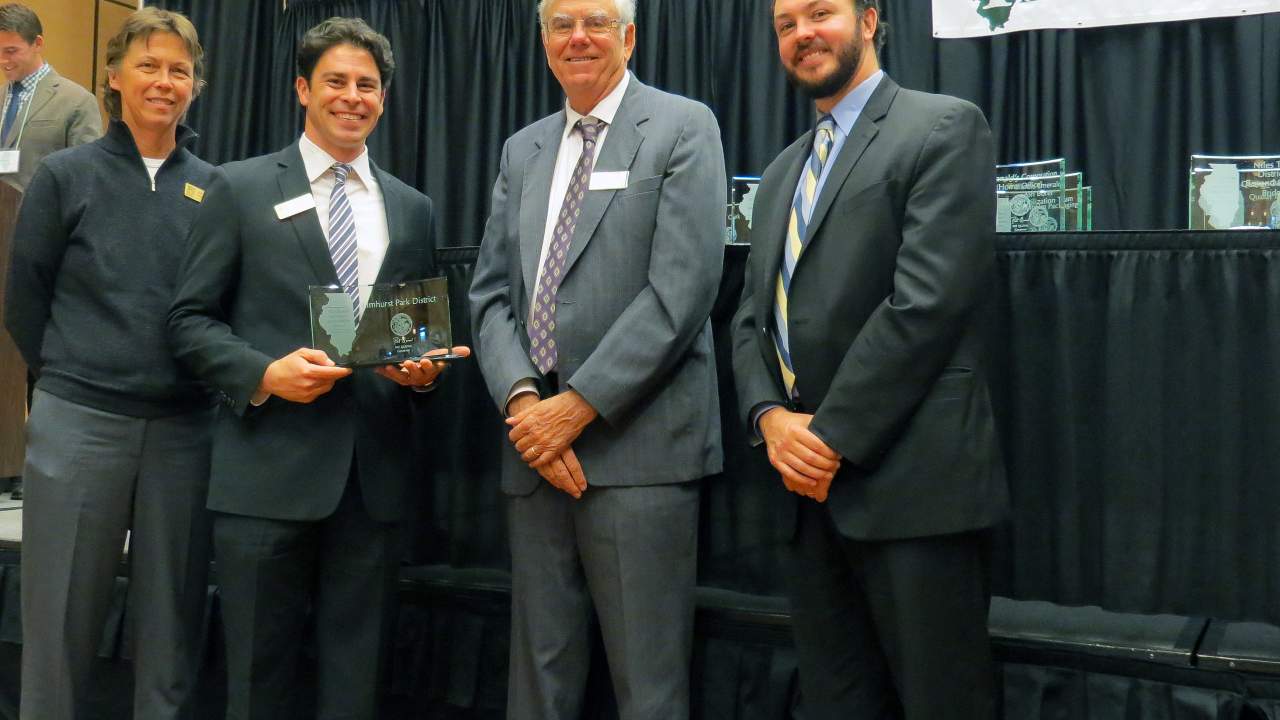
<point>317,161</point>
<point>604,110</point>
<point>368,207</point>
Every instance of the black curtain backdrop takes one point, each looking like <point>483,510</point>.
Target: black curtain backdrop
<point>1136,372</point>
<point>1126,105</point>
<point>1136,378</point>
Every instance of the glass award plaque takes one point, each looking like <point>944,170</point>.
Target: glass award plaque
<point>401,321</point>
<point>1040,196</point>
<point>1038,203</point>
<point>742,200</point>
<point>1044,210</point>
<point>1040,183</point>
<point>1227,192</point>
<point>1056,166</point>
<point>1083,209</point>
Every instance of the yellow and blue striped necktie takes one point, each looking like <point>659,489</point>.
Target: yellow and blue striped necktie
<point>797,226</point>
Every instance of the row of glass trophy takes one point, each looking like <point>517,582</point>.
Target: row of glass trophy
<point>1030,197</point>
<point>1042,196</point>
<point>742,201</point>
<point>1229,192</point>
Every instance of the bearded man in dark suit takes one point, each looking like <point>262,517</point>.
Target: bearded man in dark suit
<point>858,364</point>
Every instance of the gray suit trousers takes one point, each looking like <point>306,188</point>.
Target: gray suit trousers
<point>91,476</point>
<point>632,553</point>
<point>273,574</point>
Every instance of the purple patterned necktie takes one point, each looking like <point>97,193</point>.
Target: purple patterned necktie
<point>542,325</point>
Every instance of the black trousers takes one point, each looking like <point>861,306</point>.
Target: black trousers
<point>890,629</point>
<point>272,575</point>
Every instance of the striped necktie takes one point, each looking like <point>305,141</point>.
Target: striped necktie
<point>342,237</point>
<point>797,225</point>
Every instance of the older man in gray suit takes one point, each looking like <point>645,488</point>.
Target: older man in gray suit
<point>596,276</point>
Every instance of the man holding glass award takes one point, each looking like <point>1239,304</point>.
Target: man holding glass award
<point>312,457</point>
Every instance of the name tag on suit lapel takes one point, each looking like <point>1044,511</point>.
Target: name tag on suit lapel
<point>289,208</point>
<point>9,160</point>
<point>609,180</point>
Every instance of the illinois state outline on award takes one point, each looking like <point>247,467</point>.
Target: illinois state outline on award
<point>338,320</point>
<point>1220,196</point>
<point>747,204</point>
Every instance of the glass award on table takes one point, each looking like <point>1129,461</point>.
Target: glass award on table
<point>1227,192</point>
<point>1068,210</point>
<point>742,200</point>
<point>1038,203</point>
<point>1056,166</point>
<point>1079,210</point>
<point>1034,196</point>
<point>401,321</point>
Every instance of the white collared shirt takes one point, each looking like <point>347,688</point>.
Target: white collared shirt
<point>367,208</point>
<point>567,160</point>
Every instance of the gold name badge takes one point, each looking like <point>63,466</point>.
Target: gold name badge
<point>193,192</point>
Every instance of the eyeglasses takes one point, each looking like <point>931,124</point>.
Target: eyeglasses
<point>563,25</point>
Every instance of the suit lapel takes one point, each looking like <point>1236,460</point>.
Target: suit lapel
<point>535,194</point>
<point>864,129</point>
<point>292,181</point>
<point>620,147</point>
<point>45,90</point>
<point>772,234</point>
<point>398,232</point>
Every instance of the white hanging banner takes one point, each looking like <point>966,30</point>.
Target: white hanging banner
<point>982,18</point>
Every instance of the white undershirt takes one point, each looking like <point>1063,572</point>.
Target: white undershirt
<point>153,167</point>
<point>367,208</point>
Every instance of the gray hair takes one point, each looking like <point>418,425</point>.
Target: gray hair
<point>626,12</point>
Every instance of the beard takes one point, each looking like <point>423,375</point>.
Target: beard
<point>847,58</point>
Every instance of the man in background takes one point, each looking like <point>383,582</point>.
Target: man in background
<point>41,112</point>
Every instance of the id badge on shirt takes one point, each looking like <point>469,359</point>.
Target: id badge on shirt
<point>9,161</point>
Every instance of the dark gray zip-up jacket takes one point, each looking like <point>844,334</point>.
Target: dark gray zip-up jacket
<point>95,254</point>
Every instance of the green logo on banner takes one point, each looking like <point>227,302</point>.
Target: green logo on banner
<point>996,12</point>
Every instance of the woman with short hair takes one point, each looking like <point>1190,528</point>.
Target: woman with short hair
<point>118,437</point>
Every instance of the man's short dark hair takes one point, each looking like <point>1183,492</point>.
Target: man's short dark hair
<point>882,28</point>
<point>22,20</point>
<point>345,31</point>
